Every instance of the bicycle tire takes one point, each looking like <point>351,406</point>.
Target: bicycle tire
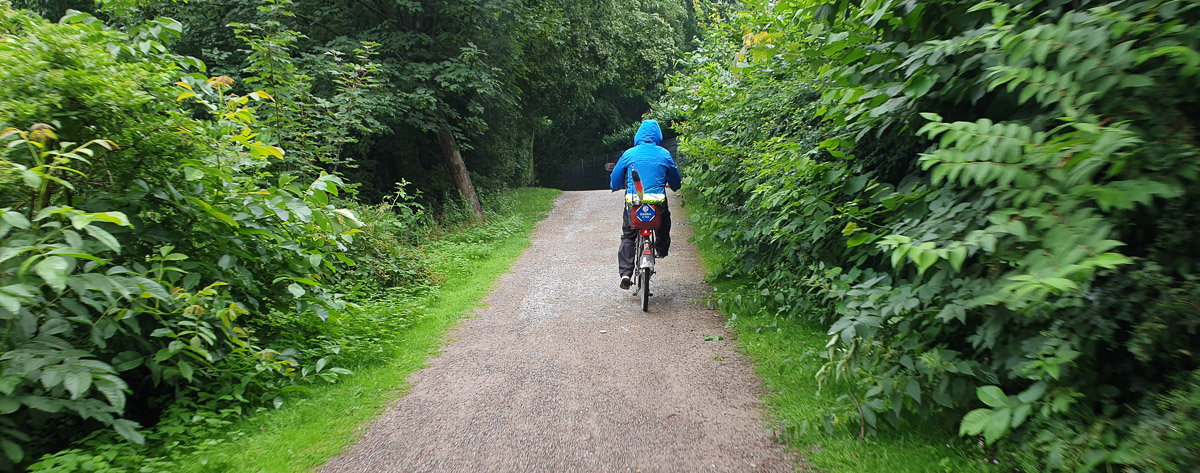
<point>644,284</point>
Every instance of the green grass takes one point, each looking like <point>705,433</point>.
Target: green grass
<point>786,355</point>
<point>308,432</point>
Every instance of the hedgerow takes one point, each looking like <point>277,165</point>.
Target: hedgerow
<point>156,265</point>
<point>988,204</point>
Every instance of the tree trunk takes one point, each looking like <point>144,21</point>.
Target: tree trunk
<point>458,169</point>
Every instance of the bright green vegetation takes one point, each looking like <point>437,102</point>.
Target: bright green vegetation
<point>404,329</point>
<point>787,356</point>
<point>318,426</point>
<point>197,200</point>
<point>985,210</point>
<point>987,206</point>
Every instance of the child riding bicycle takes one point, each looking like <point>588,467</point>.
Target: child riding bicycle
<point>657,171</point>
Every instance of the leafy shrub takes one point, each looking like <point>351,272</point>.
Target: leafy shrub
<point>984,204</point>
<point>384,253</point>
<point>135,271</point>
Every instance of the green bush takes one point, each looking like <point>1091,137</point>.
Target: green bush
<point>385,254</point>
<point>985,203</point>
<point>150,263</point>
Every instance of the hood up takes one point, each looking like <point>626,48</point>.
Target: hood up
<point>648,134</point>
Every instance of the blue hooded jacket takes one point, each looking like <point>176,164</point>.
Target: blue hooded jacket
<point>653,163</point>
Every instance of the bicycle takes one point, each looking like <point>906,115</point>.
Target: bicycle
<point>645,218</point>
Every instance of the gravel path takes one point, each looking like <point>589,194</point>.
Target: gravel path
<point>564,372</point>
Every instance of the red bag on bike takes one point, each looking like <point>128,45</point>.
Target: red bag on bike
<point>645,217</point>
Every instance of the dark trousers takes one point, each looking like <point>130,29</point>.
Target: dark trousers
<point>629,238</point>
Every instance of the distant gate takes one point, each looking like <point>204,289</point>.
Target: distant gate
<point>589,173</point>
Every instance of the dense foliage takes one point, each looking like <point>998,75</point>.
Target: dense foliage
<point>988,204</point>
<point>522,86</point>
<point>145,263</point>
<point>194,197</point>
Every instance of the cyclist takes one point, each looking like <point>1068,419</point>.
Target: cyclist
<point>657,171</point>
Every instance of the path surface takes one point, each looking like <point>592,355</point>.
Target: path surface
<point>564,372</point>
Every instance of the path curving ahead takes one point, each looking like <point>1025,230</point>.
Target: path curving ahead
<point>564,372</point>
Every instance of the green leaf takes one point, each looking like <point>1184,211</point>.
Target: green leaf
<point>923,258</point>
<point>913,389</point>
<point>53,270</point>
<point>12,450</point>
<point>128,429</point>
<point>112,391</point>
<point>151,288</point>
<point>208,208</point>
<point>354,221</point>
<point>73,239</point>
<point>8,384</point>
<point>15,219</point>
<point>43,404</point>
<point>296,290</point>
<point>1033,393</point>
<point>1111,260</point>
<point>1053,370</point>
<point>8,405</point>
<point>171,25</point>
<point>956,256</point>
<point>32,179</point>
<point>118,218</point>
<point>222,217</point>
<point>186,370</point>
<point>127,360</point>
<point>1061,284</point>
<point>993,396</point>
<point>10,303</point>
<point>997,425</point>
<point>102,235</point>
<point>52,376</point>
<point>1020,414</point>
<point>974,422</point>
<point>79,221</point>
<point>898,255</point>
<point>952,312</point>
<point>191,173</point>
<point>920,84</point>
<point>859,238</point>
<point>77,383</point>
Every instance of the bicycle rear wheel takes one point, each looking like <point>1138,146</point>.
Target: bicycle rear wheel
<point>644,285</point>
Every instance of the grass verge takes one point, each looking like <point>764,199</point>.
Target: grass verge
<point>786,355</point>
<point>308,432</point>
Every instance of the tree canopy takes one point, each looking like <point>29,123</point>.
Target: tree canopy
<point>190,190</point>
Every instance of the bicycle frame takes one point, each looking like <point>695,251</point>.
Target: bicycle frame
<point>645,247</point>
